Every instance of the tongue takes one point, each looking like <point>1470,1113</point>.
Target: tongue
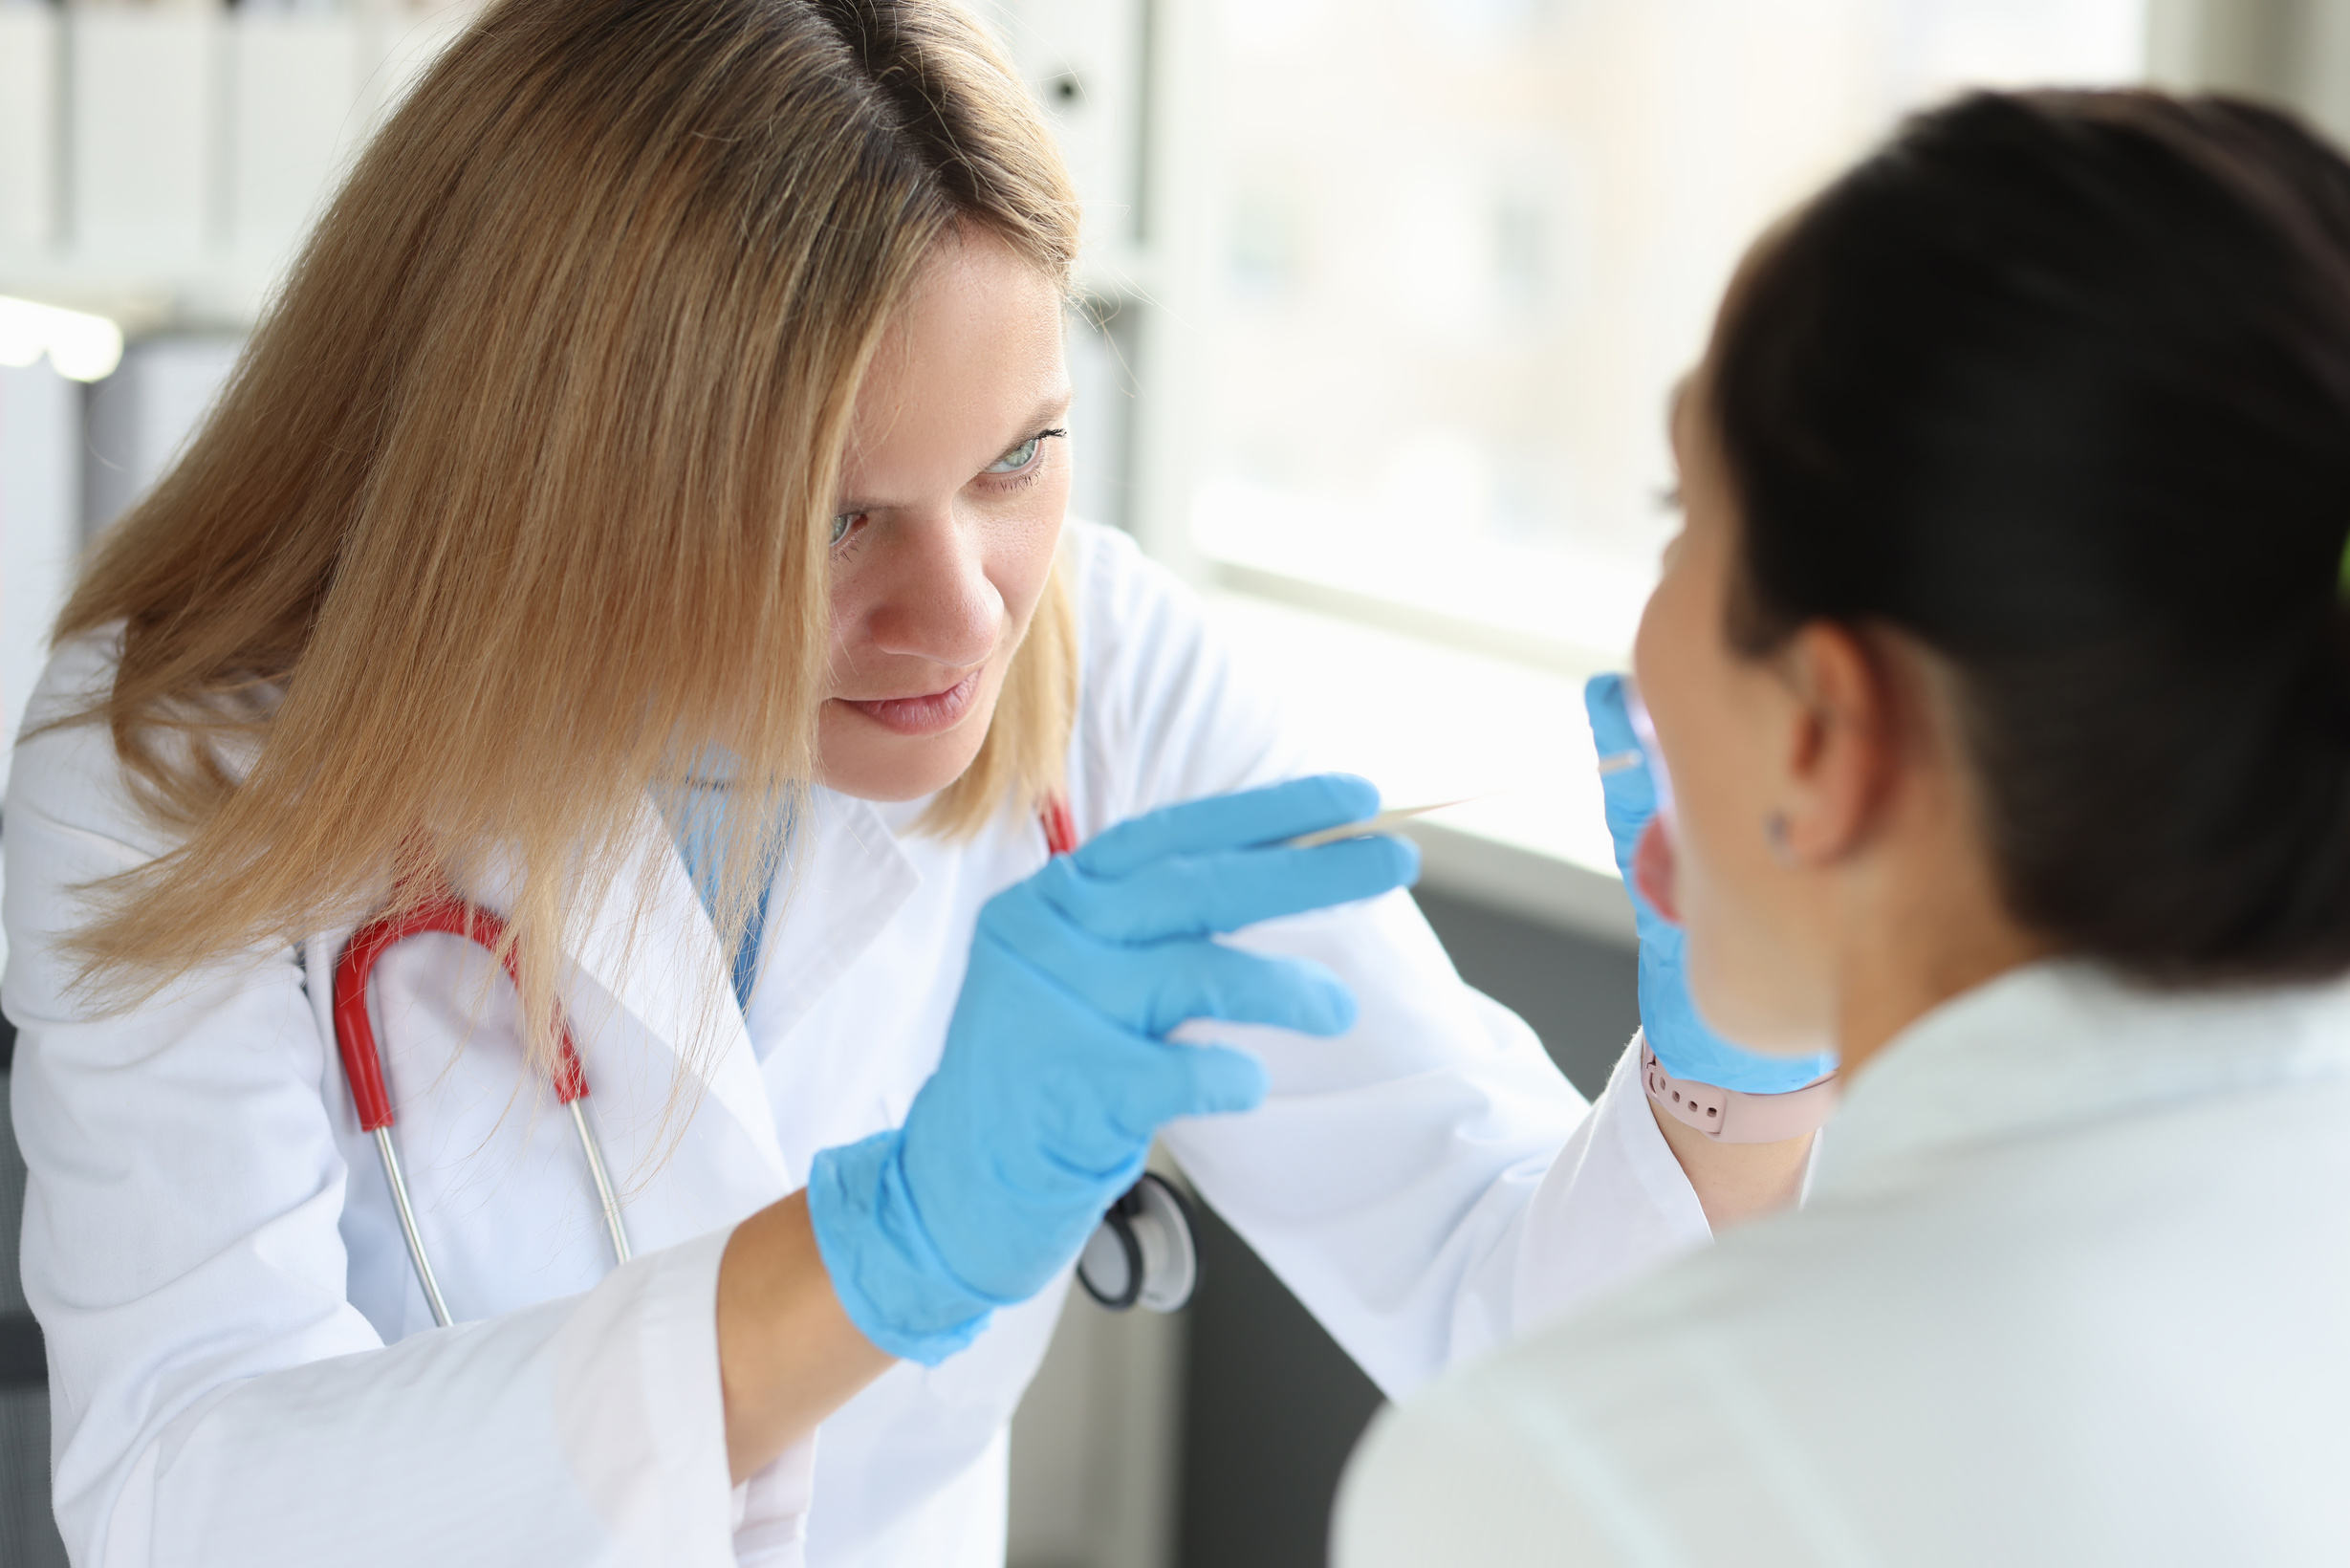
<point>1652,869</point>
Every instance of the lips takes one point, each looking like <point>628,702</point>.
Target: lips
<point>1653,867</point>
<point>928,714</point>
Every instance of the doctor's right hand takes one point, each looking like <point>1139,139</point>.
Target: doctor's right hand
<point>1058,1071</point>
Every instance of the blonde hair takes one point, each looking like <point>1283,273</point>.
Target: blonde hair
<point>519,499</point>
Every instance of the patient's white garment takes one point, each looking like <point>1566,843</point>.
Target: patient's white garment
<point>2073,1286</point>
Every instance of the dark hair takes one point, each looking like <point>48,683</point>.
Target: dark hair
<point>2058,383</point>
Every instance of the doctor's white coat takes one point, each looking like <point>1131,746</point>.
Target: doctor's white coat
<point>243,1370</point>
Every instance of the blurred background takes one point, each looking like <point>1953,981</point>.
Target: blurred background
<point>1381,303</point>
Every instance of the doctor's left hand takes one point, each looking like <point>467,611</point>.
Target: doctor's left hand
<point>1058,1071</point>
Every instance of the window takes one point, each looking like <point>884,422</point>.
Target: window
<point>1460,250</point>
<point>1467,246</point>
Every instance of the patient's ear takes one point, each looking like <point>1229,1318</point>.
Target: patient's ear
<point>1844,742</point>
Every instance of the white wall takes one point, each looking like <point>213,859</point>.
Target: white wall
<point>71,459</point>
<point>142,415</point>
<point>40,530</point>
<point>159,162</point>
<point>40,523</point>
<point>2293,52</point>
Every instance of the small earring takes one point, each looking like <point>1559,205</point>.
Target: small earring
<point>1775,830</point>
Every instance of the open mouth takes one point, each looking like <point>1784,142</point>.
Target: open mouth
<point>1653,869</point>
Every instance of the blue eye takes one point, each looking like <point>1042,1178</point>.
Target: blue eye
<point>1016,459</point>
<point>1023,457</point>
<point>842,523</point>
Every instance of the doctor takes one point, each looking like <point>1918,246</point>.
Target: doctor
<point>641,517</point>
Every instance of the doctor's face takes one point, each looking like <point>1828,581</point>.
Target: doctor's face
<point>953,491</point>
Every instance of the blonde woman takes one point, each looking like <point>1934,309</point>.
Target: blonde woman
<point>635,541</point>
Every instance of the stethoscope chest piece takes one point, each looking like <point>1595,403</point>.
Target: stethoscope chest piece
<point>1143,1254</point>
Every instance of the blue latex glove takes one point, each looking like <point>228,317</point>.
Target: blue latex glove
<point>1057,1070</point>
<point>1681,1042</point>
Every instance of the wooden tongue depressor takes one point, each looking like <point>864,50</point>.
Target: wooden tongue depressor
<point>1385,821</point>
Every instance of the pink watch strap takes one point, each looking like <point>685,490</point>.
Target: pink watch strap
<point>1732,1116</point>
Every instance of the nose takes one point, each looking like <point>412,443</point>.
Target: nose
<point>932,598</point>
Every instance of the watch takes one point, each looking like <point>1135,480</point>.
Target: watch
<point>1734,1116</point>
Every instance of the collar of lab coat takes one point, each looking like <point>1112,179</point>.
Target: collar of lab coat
<point>843,881</point>
<point>651,947</point>
<point>2067,1043</point>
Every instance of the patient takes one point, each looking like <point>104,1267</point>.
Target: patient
<point>2003,671</point>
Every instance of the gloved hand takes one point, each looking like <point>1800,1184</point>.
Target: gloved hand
<point>1681,1042</point>
<point>1057,1070</point>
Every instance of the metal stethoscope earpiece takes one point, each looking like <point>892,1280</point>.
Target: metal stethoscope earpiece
<point>1144,1253</point>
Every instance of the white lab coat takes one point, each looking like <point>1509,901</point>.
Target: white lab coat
<point>244,1372</point>
<point>2071,1286</point>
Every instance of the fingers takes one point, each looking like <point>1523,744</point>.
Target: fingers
<point>1216,1079</point>
<point>1187,1080</point>
<point>1215,981</point>
<point>1158,986</point>
<point>1611,720</point>
<point>1231,822</point>
<point>1148,989</point>
<point>1625,784</point>
<point>1191,895</point>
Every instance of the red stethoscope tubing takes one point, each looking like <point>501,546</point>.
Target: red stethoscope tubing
<point>354,1039</point>
<point>1061,829</point>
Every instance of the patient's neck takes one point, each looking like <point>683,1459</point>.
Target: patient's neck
<point>1920,921</point>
